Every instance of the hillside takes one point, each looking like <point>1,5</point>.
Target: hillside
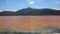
<point>31,11</point>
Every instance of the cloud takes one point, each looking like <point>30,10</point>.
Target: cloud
<point>57,2</point>
<point>8,10</point>
<point>56,8</point>
<point>1,10</point>
<point>31,2</point>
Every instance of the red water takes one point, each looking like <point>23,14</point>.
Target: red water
<point>28,22</point>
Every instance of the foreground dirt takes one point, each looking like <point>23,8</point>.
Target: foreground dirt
<point>27,23</point>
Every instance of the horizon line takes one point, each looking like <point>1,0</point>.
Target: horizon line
<point>25,8</point>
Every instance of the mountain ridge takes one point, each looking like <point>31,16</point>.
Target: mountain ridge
<point>31,11</point>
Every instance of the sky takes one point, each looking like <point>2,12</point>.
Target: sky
<point>20,4</point>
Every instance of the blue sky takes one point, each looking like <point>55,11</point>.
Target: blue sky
<point>20,4</point>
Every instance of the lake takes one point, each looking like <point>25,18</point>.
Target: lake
<point>28,23</point>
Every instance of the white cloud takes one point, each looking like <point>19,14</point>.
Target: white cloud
<point>56,8</point>
<point>8,10</point>
<point>1,10</point>
<point>31,2</point>
<point>57,2</point>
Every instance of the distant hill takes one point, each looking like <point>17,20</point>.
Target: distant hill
<point>31,11</point>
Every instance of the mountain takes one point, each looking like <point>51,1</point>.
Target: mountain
<point>31,11</point>
<point>6,13</point>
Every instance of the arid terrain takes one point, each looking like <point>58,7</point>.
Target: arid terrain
<point>28,23</point>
